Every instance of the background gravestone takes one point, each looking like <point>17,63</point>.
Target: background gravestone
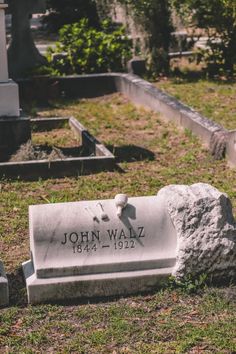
<point>9,97</point>
<point>14,130</point>
<point>4,294</point>
<point>22,53</point>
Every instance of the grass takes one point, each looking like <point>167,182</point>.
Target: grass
<point>214,99</point>
<point>169,321</point>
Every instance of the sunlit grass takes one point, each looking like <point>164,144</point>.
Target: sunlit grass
<point>214,99</point>
<point>152,155</point>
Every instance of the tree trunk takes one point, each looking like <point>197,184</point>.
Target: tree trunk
<point>230,52</point>
<point>22,53</point>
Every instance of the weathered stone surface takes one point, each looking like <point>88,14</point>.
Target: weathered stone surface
<point>206,231</point>
<point>4,294</point>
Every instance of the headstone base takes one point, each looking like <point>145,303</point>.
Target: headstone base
<point>4,292</point>
<point>14,131</point>
<point>9,99</point>
<point>43,290</point>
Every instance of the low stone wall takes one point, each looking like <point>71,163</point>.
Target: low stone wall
<point>141,92</point>
<point>146,94</point>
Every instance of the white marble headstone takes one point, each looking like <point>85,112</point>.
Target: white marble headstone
<point>76,245</point>
<point>9,95</point>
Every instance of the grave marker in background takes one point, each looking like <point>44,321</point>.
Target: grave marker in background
<point>4,293</point>
<point>14,130</point>
<point>9,97</point>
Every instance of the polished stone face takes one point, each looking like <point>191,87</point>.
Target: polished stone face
<point>89,238</point>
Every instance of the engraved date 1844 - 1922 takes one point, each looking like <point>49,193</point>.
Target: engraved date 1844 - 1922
<point>120,245</point>
<point>91,241</point>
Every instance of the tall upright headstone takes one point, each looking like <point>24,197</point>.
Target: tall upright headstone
<point>14,130</point>
<point>6,88</point>
<point>9,96</point>
<point>3,67</point>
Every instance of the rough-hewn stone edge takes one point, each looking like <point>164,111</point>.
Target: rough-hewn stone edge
<point>206,231</point>
<point>4,292</point>
<point>103,160</point>
<point>142,92</point>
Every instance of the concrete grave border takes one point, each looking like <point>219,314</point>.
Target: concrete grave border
<point>140,92</point>
<point>102,160</point>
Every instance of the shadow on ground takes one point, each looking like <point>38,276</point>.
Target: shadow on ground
<point>18,295</point>
<point>131,153</point>
<point>17,288</point>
